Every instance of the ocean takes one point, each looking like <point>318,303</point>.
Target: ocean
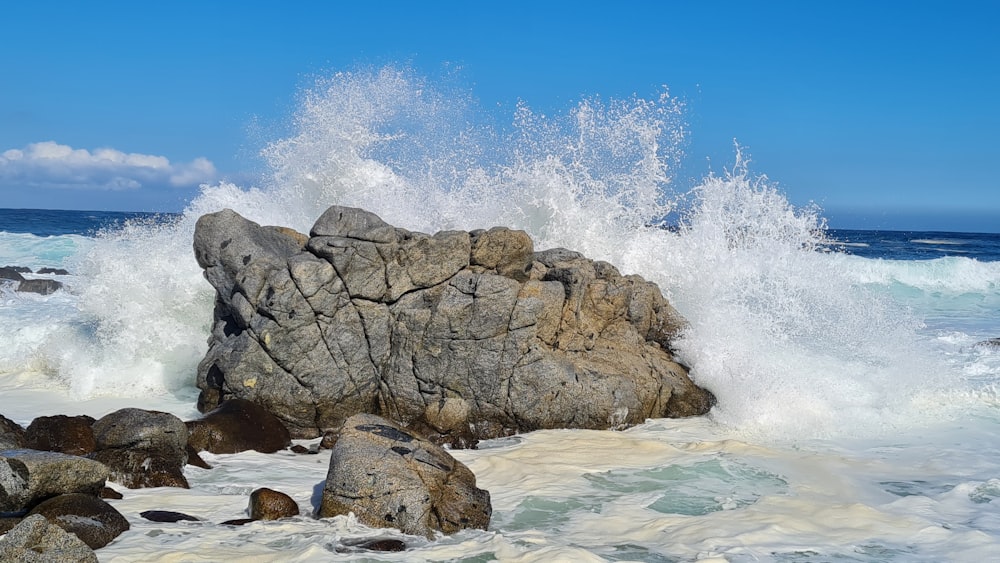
<point>858,399</point>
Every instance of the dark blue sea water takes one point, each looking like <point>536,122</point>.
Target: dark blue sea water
<point>916,245</point>
<point>54,222</point>
<point>893,245</point>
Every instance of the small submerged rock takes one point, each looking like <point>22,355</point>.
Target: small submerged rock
<point>378,544</point>
<point>39,286</point>
<point>167,516</point>
<point>268,504</point>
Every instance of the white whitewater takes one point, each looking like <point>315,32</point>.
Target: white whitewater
<point>856,418</point>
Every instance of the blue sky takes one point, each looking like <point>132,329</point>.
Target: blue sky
<point>883,113</point>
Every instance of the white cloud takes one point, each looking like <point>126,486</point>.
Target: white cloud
<point>52,165</point>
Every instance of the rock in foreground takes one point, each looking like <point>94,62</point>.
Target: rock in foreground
<point>30,476</point>
<point>391,478</point>
<point>465,335</point>
<point>35,540</point>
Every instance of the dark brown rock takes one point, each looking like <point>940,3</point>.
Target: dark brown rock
<point>167,516</point>
<point>329,439</point>
<point>91,519</point>
<point>11,434</point>
<point>238,425</point>
<point>382,544</point>
<point>108,492</point>
<point>53,271</point>
<point>60,433</point>
<point>238,522</point>
<point>268,504</point>
<point>195,459</point>
<point>8,522</point>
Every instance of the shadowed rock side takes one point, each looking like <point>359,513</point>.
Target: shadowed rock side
<point>464,335</point>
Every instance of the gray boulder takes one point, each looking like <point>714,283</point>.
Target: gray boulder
<point>462,335</point>
<point>142,448</point>
<point>36,540</point>
<point>30,476</point>
<point>391,478</point>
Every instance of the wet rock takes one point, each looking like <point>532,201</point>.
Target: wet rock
<point>39,286</point>
<point>91,519</point>
<point>381,544</point>
<point>36,540</point>
<point>8,522</point>
<point>60,433</point>
<point>11,434</point>
<point>268,504</point>
<point>391,478</point>
<point>108,492</point>
<point>142,448</point>
<point>238,522</point>
<point>53,271</point>
<point>29,476</point>
<point>329,439</point>
<point>465,336</point>
<point>991,343</point>
<point>167,516</point>
<point>9,273</point>
<point>238,425</point>
<point>18,269</point>
<point>195,459</point>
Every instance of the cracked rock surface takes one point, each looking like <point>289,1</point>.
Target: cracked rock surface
<point>462,335</point>
<point>391,478</point>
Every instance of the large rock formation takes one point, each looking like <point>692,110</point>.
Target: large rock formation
<point>460,333</point>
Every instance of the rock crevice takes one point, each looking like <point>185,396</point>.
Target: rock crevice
<point>466,335</point>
